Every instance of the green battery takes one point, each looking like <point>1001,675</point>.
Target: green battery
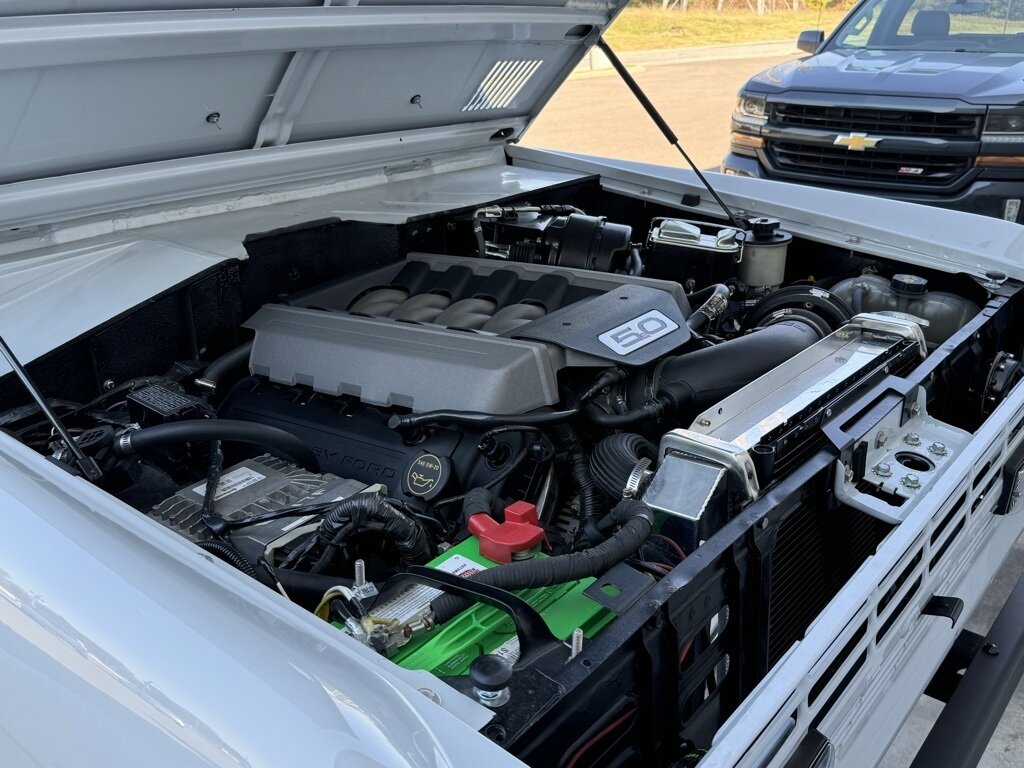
<point>449,649</point>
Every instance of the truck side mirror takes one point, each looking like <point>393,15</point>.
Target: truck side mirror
<point>810,40</point>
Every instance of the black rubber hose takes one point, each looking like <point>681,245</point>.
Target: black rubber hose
<point>406,532</point>
<point>637,522</point>
<point>613,459</point>
<point>710,309</point>
<point>857,300</point>
<point>634,264</point>
<point>482,420</point>
<point>698,380</point>
<point>631,418</point>
<point>276,440</point>
<point>479,419</point>
<point>229,554</point>
<point>220,371</point>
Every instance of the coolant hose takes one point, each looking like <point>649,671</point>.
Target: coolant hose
<point>406,532</point>
<point>614,459</point>
<point>637,521</point>
<point>220,370</point>
<point>277,441</point>
<point>857,299</point>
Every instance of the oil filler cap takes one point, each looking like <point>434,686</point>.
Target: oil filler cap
<point>502,542</point>
<point>426,476</point>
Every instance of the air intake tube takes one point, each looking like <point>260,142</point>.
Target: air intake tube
<point>686,384</point>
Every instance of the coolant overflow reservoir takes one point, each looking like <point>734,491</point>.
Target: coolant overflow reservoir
<point>763,262</point>
<point>906,296</point>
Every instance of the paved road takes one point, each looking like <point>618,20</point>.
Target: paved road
<point>594,113</point>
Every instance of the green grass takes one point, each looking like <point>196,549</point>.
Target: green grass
<point>646,28</point>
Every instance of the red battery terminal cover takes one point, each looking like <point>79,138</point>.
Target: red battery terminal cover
<point>520,532</point>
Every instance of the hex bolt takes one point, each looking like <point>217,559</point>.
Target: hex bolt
<point>915,409</point>
<point>704,422</point>
<point>882,469</point>
<point>880,440</point>
<point>576,643</point>
<point>939,449</point>
<point>912,438</point>
<point>359,577</point>
<point>911,480</point>
<point>108,385</point>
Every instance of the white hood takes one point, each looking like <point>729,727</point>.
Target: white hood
<point>94,85</point>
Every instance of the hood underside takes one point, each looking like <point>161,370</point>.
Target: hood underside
<point>101,84</point>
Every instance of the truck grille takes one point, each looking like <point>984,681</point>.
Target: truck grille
<point>878,121</point>
<point>896,168</point>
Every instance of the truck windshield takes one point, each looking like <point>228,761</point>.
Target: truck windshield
<point>995,26</point>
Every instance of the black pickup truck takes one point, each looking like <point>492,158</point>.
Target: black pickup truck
<point>920,100</point>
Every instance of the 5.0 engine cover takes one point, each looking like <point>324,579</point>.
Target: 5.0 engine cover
<point>473,334</point>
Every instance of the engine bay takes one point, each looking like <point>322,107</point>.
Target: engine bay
<point>481,442</point>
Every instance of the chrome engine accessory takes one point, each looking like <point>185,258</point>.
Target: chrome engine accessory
<point>695,250</point>
<point>784,408</point>
<point>708,472</point>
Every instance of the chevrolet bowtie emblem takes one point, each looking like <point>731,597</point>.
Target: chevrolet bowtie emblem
<point>857,142</point>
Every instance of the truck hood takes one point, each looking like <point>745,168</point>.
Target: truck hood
<point>118,83</point>
<point>976,78</point>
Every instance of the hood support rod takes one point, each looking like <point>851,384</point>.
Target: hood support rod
<point>663,126</point>
<point>87,465</point>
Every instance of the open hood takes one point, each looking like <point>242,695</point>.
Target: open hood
<point>93,85</point>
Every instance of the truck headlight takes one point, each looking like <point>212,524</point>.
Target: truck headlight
<point>1004,127</point>
<point>751,112</point>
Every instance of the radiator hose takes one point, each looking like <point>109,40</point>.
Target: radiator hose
<point>277,441</point>
<point>614,459</point>
<point>636,520</point>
